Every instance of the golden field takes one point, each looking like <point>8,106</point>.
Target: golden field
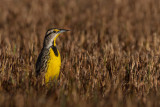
<point>110,58</point>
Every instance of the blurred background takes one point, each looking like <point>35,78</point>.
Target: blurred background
<point>109,58</point>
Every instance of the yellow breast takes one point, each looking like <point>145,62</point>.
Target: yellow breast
<point>53,66</point>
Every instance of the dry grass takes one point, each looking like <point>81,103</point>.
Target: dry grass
<point>111,57</point>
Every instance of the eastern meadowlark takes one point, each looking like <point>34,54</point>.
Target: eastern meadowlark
<point>49,60</point>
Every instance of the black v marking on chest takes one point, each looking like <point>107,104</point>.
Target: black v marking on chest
<point>55,50</point>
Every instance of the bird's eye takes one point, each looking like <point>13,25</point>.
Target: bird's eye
<point>54,32</point>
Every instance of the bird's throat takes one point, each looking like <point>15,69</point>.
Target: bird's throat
<point>54,42</point>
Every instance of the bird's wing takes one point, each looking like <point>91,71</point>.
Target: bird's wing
<point>38,64</point>
<point>41,63</point>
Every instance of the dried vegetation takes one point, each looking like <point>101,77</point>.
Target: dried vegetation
<point>111,57</point>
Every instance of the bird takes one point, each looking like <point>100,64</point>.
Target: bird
<point>49,60</point>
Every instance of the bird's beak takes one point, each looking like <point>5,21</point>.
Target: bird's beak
<point>63,30</point>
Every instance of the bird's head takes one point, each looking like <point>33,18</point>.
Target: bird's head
<point>51,35</point>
